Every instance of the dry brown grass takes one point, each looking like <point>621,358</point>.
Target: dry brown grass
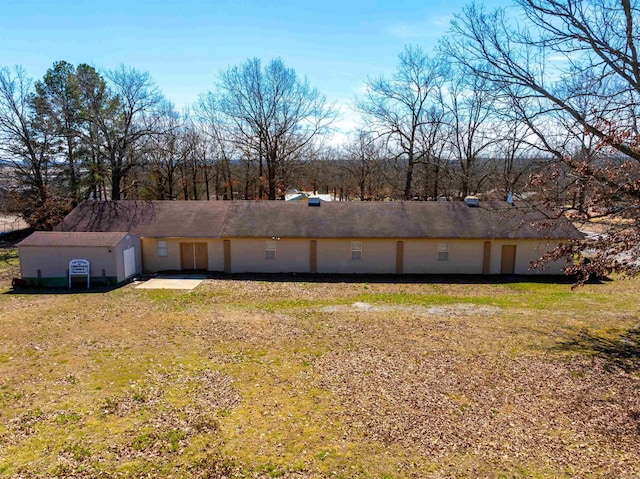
<point>245,378</point>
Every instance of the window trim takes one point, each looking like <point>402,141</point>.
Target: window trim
<point>163,248</point>
<point>356,250</point>
<point>443,251</point>
<point>270,249</point>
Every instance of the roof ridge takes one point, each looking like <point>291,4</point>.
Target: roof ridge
<point>223,225</point>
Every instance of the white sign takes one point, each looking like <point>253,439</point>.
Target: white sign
<point>79,267</point>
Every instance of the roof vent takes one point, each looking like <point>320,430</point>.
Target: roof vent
<point>472,201</point>
<point>314,201</point>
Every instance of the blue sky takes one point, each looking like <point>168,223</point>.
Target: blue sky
<point>185,43</point>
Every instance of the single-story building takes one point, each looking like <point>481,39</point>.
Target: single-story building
<point>319,237</point>
<point>388,238</point>
<point>46,256</point>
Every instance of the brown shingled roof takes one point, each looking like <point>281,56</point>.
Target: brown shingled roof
<point>215,219</point>
<point>390,220</point>
<point>159,219</point>
<point>58,238</point>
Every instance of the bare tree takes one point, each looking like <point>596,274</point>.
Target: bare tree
<point>134,112</point>
<point>27,141</point>
<point>515,156</point>
<point>362,162</point>
<point>164,156</point>
<point>24,144</point>
<point>400,109</point>
<point>436,168</point>
<point>566,51</point>
<point>220,150</point>
<point>273,113</point>
<point>473,128</point>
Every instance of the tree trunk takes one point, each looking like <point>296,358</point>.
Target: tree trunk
<point>194,186</point>
<point>73,183</point>
<point>465,187</point>
<point>409,178</point>
<point>260,175</point>
<point>116,180</point>
<point>206,182</point>
<point>271,178</point>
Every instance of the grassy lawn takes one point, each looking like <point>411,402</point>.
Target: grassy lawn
<point>322,379</point>
<point>9,266</point>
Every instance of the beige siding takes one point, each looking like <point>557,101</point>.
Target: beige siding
<point>293,256</point>
<point>464,257</point>
<point>378,256</point>
<point>53,261</point>
<point>119,251</point>
<point>334,256</point>
<point>248,256</point>
<point>154,263</point>
<point>526,251</point>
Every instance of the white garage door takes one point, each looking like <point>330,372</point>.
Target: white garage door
<point>129,262</point>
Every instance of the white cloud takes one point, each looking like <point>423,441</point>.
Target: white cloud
<point>348,121</point>
<point>429,28</point>
<point>442,20</point>
<point>362,89</point>
<point>404,31</point>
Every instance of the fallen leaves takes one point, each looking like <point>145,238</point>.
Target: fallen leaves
<point>301,380</point>
<point>498,409</point>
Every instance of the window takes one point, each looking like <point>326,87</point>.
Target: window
<point>163,248</point>
<point>356,250</point>
<point>443,251</point>
<point>269,249</point>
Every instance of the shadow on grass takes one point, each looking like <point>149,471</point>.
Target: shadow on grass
<point>58,291</point>
<point>401,279</point>
<point>10,239</point>
<point>621,351</point>
<point>8,255</point>
<point>324,278</point>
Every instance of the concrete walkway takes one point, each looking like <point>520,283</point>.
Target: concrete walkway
<point>173,282</point>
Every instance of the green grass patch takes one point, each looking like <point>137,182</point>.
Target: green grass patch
<point>246,379</point>
<point>425,299</point>
<point>8,258</point>
<point>9,265</point>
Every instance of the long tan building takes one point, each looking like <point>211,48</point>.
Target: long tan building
<point>326,238</point>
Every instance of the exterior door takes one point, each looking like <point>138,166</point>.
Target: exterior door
<point>313,256</point>
<point>227,256</point>
<point>186,256</point>
<point>400,257</point>
<point>194,256</point>
<point>129,257</point>
<point>201,256</point>
<point>508,260</point>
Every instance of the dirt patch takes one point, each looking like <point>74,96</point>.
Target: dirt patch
<point>448,310</point>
